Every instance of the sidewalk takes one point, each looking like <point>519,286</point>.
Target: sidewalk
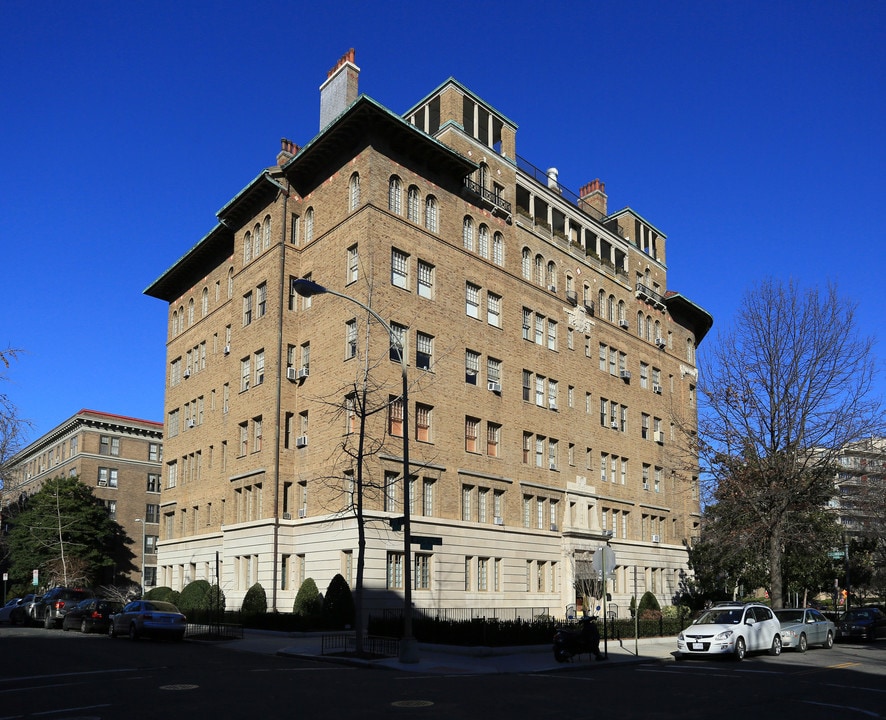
<point>453,660</point>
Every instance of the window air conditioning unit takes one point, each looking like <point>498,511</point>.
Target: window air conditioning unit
<point>572,297</point>
<point>187,374</point>
<point>552,288</point>
<point>614,426</point>
<point>301,441</point>
<point>656,389</point>
<point>624,324</point>
<point>303,513</point>
<point>646,486</point>
<point>625,374</point>
<point>494,387</point>
<point>498,520</point>
<point>661,342</point>
<point>553,527</point>
<point>656,538</point>
<point>191,423</point>
<point>553,406</point>
<point>227,349</point>
<point>302,372</point>
<point>291,374</point>
<point>287,516</point>
<point>658,436</point>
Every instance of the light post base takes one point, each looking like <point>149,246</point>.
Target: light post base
<point>408,650</point>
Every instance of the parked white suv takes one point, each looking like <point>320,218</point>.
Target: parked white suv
<point>731,629</point>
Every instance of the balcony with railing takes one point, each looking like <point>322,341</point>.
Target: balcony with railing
<point>649,295</point>
<point>493,198</point>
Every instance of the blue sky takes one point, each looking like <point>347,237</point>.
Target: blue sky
<point>750,133</point>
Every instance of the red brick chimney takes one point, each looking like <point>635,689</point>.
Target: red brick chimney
<point>340,88</point>
<point>288,150</point>
<point>592,197</point>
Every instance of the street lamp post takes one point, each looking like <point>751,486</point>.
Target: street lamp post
<point>408,645</point>
<point>141,520</point>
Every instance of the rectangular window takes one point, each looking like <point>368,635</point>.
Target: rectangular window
<point>259,367</point>
<point>472,367</point>
<point>350,339</point>
<point>423,422</point>
<point>427,506</point>
<point>424,345</point>
<point>261,304</point>
<point>391,481</point>
<point>245,373</point>
<point>395,570</point>
<point>493,438</point>
<point>247,308</point>
<point>471,429</point>
<point>398,342</point>
<point>552,335</point>
<point>527,447</point>
<point>553,448</point>
<point>493,370</point>
<point>399,269</point>
<point>395,416</point>
<point>425,280</point>
<point>467,492</point>
<point>353,264</point>
<point>493,309</point>
<point>472,300</point>
<point>540,390</point>
<point>421,578</point>
<point>539,329</point>
<point>527,386</point>
<point>527,324</point>
<point>482,574</point>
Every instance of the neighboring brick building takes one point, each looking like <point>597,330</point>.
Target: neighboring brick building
<point>552,371</point>
<point>121,458</point>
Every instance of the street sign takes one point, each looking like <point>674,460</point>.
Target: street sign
<point>836,555</point>
<point>604,556</point>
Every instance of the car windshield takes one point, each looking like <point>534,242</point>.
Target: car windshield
<point>789,616</point>
<point>720,616</point>
<point>857,615</point>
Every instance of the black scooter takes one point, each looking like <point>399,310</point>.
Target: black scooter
<point>572,641</point>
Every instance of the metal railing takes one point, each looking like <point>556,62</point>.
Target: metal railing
<point>347,643</point>
<point>488,195</point>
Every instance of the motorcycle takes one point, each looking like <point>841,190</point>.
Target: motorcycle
<point>572,641</point>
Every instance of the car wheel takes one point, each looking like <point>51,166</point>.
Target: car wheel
<point>829,642</point>
<point>111,632</point>
<point>740,649</point>
<point>776,645</point>
<point>133,632</point>
<point>17,617</point>
<point>48,624</point>
<point>84,628</point>
<point>803,644</point>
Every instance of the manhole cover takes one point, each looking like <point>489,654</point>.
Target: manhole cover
<point>412,703</point>
<point>179,687</point>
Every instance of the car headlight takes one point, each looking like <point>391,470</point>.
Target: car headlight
<point>680,637</point>
<point>789,633</point>
<point>725,635</point>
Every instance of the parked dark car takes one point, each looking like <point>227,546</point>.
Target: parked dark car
<point>864,623</point>
<point>149,618</point>
<point>56,603</point>
<point>91,615</point>
<point>7,610</point>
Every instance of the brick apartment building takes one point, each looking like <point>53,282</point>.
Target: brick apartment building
<point>551,372</point>
<point>121,458</point>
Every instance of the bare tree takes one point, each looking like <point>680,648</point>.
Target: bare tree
<point>12,438</point>
<point>788,386</point>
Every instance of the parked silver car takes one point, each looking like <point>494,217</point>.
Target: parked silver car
<point>801,628</point>
<point>149,618</point>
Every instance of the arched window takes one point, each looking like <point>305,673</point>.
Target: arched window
<point>498,249</point>
<point>204,303</point>
<point>570,284</point>
<point>266,232</point>
<point>230,283</point>
<point>640,325</point>
<point>190,312</point>
<point>586,295</point>
<point>174,323</point>
<point>395,196</point>
<point>648,328</point>
<point>621,312</point>
<point>610,309</point>
<point>309,224</point>
<point>467,233</point>
<point>431,222</point>
<point>526,264</point>
<point>539,270</point>
<point>483,241</point>
<point>247,247</point>
<point>657,331</point>
<point>354,192</point>
<point>482,175</point>
<point>413,203</point>
<point>256,240</point>
<point>601,303</point>
<point>551,275</point>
